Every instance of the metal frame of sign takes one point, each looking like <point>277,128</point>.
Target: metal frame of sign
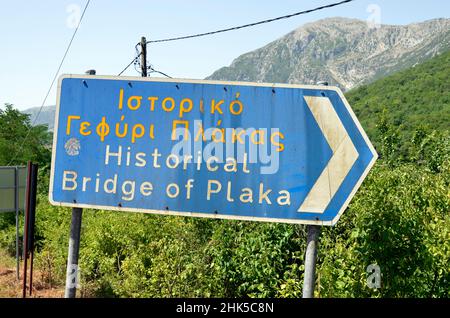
<point>205,215</point>
<point>16,187</point>
<point>17,205</point>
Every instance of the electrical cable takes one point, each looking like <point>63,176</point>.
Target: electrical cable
<point>251,24</point>
<point>52,83</point>
<point>236,28</point>
<point>152,70</point>
<point>129,64</point>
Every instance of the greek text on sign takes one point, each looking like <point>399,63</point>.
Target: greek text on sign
<point>249,151</point>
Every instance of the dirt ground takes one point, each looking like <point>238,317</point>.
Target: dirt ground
<point>10,287</point>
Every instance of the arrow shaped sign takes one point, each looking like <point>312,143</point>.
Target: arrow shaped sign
<point>232,150</point>
<point>344,155</point>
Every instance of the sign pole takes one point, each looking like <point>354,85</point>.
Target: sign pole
<point>313,233</point>
<point>32,220</point>
<point>28,232</point>
<point>310,260</point>
<point>26,228</point>
<point>74,246</point>
<point>16,204</point>
<point>72,258</point>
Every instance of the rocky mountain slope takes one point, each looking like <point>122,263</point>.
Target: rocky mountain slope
<point>46,117</point>
<point>344,52</point>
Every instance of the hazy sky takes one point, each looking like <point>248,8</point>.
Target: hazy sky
<point>34,35</point>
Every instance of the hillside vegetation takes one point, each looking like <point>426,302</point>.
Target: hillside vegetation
<point>417,98</point>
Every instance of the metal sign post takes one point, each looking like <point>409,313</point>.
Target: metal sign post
<point>25,232</point>
<point>72,258</point>
<point>16,207</point>
<point>310,260</point>
<point>32,220</point>
<point>72,273</point>
<point>12,186</point>
<point>312,241</point>
<point>28,237</point>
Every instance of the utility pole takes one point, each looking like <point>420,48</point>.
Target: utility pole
<point>143,57</point>
<point>312,242</point>
<point>72,273</point>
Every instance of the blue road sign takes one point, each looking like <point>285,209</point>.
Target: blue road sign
<point>235,150</point>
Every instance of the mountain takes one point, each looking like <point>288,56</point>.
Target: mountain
<point>419,95</point>
<point>344,52</point>
<point>46,117</point>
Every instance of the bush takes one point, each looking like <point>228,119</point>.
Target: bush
<point>400,221</point>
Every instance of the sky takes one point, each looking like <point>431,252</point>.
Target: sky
<point>35,34</point>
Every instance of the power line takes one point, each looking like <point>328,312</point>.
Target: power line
<point>129,64</point>
<point>53,81</point>
<point>251,24</point>
<point>152,70</point>
<point>231,29</point>
<point>134,60</point>
<point>137,65</point>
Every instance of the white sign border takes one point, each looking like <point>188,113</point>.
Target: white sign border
<point>208,215</point>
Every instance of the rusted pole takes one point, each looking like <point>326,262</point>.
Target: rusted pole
<point>25,230</point>
<point>32,220</point>
<point>31,270</point>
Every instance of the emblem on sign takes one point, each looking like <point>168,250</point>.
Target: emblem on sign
<point>72,147</point>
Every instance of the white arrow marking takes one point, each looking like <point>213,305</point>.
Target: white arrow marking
<point>344,155</point>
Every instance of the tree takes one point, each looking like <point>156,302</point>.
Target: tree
<point>20,141</point>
